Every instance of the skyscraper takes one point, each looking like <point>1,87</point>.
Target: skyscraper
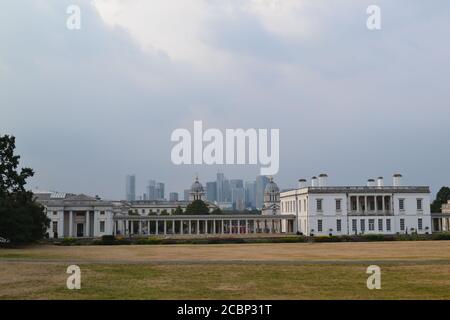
<point>219,187</point>
<point>261,182</point>
<point>130,188</point>
<point>151,190</point>
<point>211,191</point>
<point>250,192</point>
<point>186,194</point>
<point>173,196</point>
<point>237,194</point>
<point>159,191</point>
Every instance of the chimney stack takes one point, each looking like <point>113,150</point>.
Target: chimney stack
<point>323,180</point>
<point>302,183</point>
<point>397,180</point>
<point>314,182</point>
<point>371,183</point>
<point>380,181</point>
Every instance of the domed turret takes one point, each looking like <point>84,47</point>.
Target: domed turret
<point>271,199</point>
<point>197,192</point>
<point>271,187</point>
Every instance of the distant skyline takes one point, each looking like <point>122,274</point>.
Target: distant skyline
<point>89,106</point>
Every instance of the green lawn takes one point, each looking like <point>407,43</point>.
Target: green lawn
<point>207,281</point>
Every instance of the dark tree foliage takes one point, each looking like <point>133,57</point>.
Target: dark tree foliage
<point>22,220</point>
<point>217,211</point>
<point>197,207</point>
<point>441,197</point>
<point>178,211</point>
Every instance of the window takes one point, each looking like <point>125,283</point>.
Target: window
<point>143,210</point>
<point>55,213</point>
<point>300,205</point>
<point>304,205</point>
<point>419,204</point>
<point>55,226</point>
<point>102,212</point>
<point>319,204</point>
<point>353,203</point>
<point>319,225</point>
<point>102,226</point>
<point>419,224</point>
<point>363,225</point>
<point>401,204</point>
<point>338,204</point>
<point>354,226</point>
<point>388,224</point>
<point>338,225</point>
<point>371,224</point>
<point>380,224</point>
<point>402,224</point>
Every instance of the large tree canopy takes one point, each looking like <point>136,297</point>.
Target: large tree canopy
<point>21,218</point>
<point>441,197</point>
<point>197,207</point>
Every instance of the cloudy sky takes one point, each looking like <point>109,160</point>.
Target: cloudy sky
<point>89,106</point>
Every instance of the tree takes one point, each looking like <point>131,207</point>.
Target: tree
<point>217,211</point>
<point>441,197</point>
<point>164,213</point>
<point>178,211</point>
<point>22,220</point>
<point>197,207</point>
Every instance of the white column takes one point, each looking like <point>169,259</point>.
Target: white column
<point>61,224</point>
<point>181,227</point>
<point>231,226</point>
<point>70,223</point>
<point>221,227</point>
<point>87,233</point>
<point>382,204</point>
<point>246,226</point>
<point>198,226</point>
<point>165,227</point>
<point>214,226</point>
<point>157,227</point>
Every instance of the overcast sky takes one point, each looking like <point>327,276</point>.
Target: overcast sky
<point>89,106</point>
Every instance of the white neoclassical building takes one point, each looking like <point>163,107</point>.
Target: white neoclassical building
<point>83,216</point>
<point>346,210</point>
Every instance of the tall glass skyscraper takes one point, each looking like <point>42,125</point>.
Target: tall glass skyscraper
<point>261,182</point>
<point>130,188</point>
<point>219,187</point>
<point>250,193</point>
<point>211,191</point>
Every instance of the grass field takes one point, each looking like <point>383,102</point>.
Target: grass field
<point>410,270</point>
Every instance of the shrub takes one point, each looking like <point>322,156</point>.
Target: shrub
<point>150,240</point>
<point>68,241</point>
<point>441,236</point>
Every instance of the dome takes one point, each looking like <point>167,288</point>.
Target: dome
<point>271,187</point>
<point>196,186</point>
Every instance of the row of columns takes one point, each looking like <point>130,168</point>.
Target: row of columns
<point>194,226</point>
<point>441,224</point>
<point>366,203</point>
